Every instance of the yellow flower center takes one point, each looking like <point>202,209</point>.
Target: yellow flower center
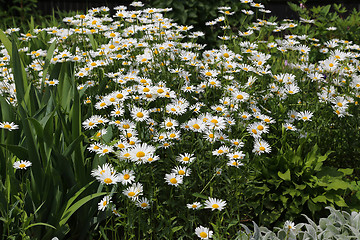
<point>215,206</point>
<point>203,234</point>
<point>140,114</point>
<point>7,126</point>
<point>262,148</point>
<point>181,172</point>
<point>169,124</point>
<point>140,154</point>
<point>260,127</point>
<point>173,181</point>
<point>126,176</point>
<point>196,126</point>
<point>22,165</point>
<point>144,204</point>
<point>214,121</point>
<point>131,194</point>
<point>107,180</point>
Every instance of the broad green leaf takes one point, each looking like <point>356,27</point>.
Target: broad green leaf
<point>6,42</point>
<point>285,176</point>
<point>319,199</point>
<point>67,214</point>
<point>337,184</point>
<point>346,171</point>
<point>48,57</point>
<point>19,151</point>
<point>77,194</point>
<point>18,69</point>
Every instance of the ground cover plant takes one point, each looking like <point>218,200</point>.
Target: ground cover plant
<point>123,126</point>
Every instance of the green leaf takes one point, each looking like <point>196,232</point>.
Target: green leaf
<point>48,57</point>
<point>341,202</point>
<point>325,10</point>
<point>285,176</point>
<point>346,171</point>
<point>337,184</point>
<point>19,73</point>
<point>177,228</point>
<point>70,149</point>
<point>19,151</point>
<point>198,195</point>
<point>319,199</point>
<point>6,42</point>
<point>68,213</point>
<point>40,224</point>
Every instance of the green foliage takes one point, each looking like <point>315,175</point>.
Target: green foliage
<point>295,182</point>
<point>337,225</point>
<point>17,12</point>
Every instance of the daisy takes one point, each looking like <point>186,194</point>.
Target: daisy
<point>104,149</point>
<point>261,146</point>
<point>289,127</point>
<point>289,226</point>
<point>134,191</point>
<point>182,171</point>
<point>9,126</point>
<point>194,205</point>
<point>237,143</point>
<point>305,116</point>
<point>170,123</point>
<point>53,82</point>
<point>105,174</point>
<point>234,163</point>
<point>127,177</point>
<point>185,158</point>
<point>236,155</point>
<point>104,203</point>
<point>215,204</point>
<point>139,114</point>
<point>174,179</point>
<point>196,125</point>
<point>245,116</point>
<point>22,164</point>
<point>115,211</point>
<point>203,232</point>
<point>143,203</point>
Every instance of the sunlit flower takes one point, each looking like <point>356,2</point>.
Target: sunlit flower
<point>134,191</point>
<point>203,232</point>
<point>22,164</point>
<point>215,204</point>
<point>194,205</point>
<point>185,158</point>
<point>143,203</point>
<point>104,203</point>
<point>9,126</point>
<point>173,179</point>
<point>127,177</point>
<point>260,147</point>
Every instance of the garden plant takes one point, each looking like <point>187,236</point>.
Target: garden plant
<point>124,124</point>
